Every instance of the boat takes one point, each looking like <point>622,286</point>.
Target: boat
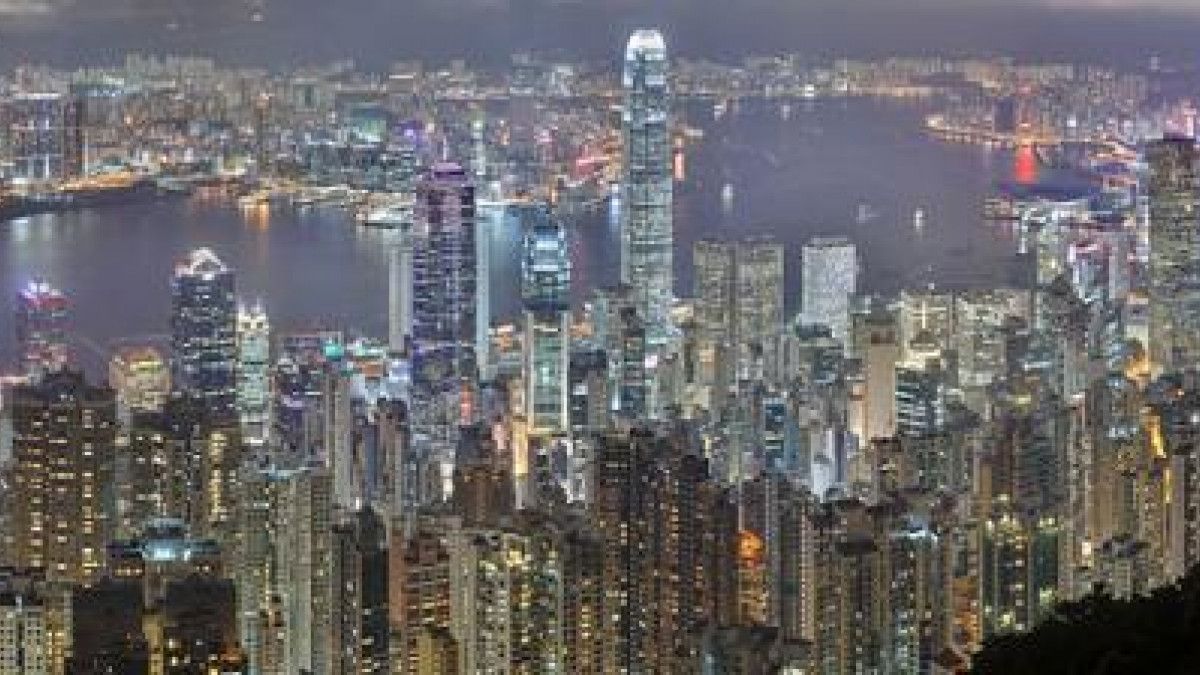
<point>727,196</point>
<point>386,216</point>
<point>865,214</point>
<point>919,220</point>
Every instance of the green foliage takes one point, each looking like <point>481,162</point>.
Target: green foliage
<point>1098,635</point>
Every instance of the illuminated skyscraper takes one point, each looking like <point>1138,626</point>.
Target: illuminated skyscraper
<point>713,262</point>
<point>445,278</point>
<point>64,446</point>
<point>759,299</point>
<point>204,350</point>
<point>42,328</point>
<point>647,229</point>
<point>253,373</point>
<point>1174,252</point>
<point>830,269</point>
<point>546,280</point>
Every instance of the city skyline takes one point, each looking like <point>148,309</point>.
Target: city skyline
<point>638,361</point>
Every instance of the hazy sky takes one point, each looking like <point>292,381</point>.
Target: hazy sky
<point>379,31</point>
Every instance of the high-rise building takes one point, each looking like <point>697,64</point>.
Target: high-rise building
<point>41,323</point>
<point>445,279</point>
<point>546,279</point>
<point>253,374</point>
<point>400,290</point>
<point>204,350</point>
<point>64,438</point>
<point>830,279</point>
<point>360,595</point>
<point>45,136</point>
<point>758,321</point>
<point>1174,194</point>
<point>713,288</point>
<point>647,227</point>
<point>24,634</point>
<point>141,379</point>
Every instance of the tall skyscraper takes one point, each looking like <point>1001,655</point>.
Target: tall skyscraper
<point>830,271</point>
<point>253,374</point>
<point>204,350</point>
<point>759,318</point>
<point>546,280</point>
<point>41,322</point>
<point>400,289</point>
<point>64,446</point>
<point>713,279</point>
<point>647,228</point>
<point>1174,192</point>
<point>445,278</point>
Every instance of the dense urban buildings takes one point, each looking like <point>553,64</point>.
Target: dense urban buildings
<point>809,459</point>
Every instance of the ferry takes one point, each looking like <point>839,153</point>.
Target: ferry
<point>727,196</point>
<point>919,220</point>
<point>865,214</point>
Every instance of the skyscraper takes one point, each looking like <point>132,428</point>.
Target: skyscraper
<point>253,371</point>
<point>647,228</point>
<point>204,350</point>
<point>41,323</point>
<point>445,282</point>
<point>713,263</point>
<point>830,270</point>
<point>546,280</point>
<point>1174,252</point>
<point>64,445</point>
<point>759,317</point>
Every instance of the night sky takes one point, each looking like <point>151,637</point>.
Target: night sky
<point>376,32</point>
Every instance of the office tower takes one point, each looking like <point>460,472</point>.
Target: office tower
<point>545,289</point>
<point>758,321</point>
<point>41,323</point>
<point>445,281</point>
<point>204,351</point>
<point>360,595</point>
<point>647,226</point>
<point>141,379</point>
<point>920,401</point>
<point>926,316</point>
<point>830,280</point>
<point>633,393</point>
<point>64,438</point>
<point>714,290</point>
<point>1174,252</point>
<point>881,353</point>
<point>45,137</point>
<point>589,387</point>
<point>400,290</point>
<point>979,333</point>
<point>253,374</point>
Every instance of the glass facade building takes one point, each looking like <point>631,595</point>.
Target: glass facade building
<point>647,228</point>
<point>546,281</point>
<point>204,349</point>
